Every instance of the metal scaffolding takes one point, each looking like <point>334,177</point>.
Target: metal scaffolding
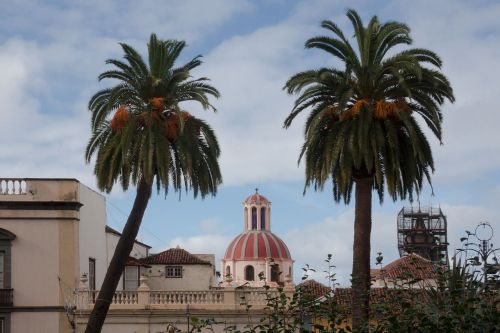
<point>423,231</point>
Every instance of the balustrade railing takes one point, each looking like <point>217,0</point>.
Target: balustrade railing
<point>255,297</point>
<point>121,297</point>
<point>171,299</point>
<point>12,186</point>
<point>186,297</point>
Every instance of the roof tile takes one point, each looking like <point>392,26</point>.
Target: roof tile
<point>174,256</point>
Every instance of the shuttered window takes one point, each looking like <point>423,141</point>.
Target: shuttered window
<point>92,274</point>
<point>131,278</point>
<point>2,271</point>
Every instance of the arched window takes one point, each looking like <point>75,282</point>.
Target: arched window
<point>275,273</point>
<point>228,270</point>
<point>254,218</point>
<point>263,218</point>
<point>246,218</point>
<point>249,273</point>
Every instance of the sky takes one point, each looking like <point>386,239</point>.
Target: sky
<point>51,53</point>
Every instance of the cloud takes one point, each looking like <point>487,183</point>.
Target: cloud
<point>310,243</point>
<point>50,71</point>
<point>205,243</point>
<point>210,225</point>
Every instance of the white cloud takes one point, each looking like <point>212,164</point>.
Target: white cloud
<point>49,73</point>
<point>47,80</point>
<point>58,72</point>
<point>206,243</point>
<point>311,243</point>
<point>210,225</point>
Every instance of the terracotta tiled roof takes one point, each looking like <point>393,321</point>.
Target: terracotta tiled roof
<point>343,297</point>
<point>313,288</point>
<point>131,261</point>
<point>174,256</point>
<point>411,266</point>
<point>257,244</point>
<point>256,198</point>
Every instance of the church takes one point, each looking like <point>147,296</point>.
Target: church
<point>55,247</point>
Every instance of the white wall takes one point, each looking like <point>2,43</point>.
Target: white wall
<point>194,277</point>
<point>36,322</point>
<point>138,251</point>
<point>35,262</point>
<point>92,240</point>
<point>238,270</point>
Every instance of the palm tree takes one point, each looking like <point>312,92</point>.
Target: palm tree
<point>140,136</point>
<point>362,128</point>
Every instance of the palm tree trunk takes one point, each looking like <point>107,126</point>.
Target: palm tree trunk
<point>117,264</point>
<point>361,253</point>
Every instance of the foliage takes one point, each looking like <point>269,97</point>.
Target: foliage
<point>363,124</point>
<point>297,310</point>
<point>362,119</point>
<point>457,303</point>
<point>139,130</point>
<point>140,134</point>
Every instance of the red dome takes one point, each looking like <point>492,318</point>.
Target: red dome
<point>256,198</point>
<point>257,244</point>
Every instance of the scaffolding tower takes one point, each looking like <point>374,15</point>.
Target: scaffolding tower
<point>423,231</point>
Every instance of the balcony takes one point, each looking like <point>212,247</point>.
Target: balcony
<point>218,299</point>
<point>6,297</point>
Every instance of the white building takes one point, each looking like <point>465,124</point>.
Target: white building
<point>52,231</point>
<point>55,248</point>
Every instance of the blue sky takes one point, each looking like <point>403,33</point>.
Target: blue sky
<point>52,51</point>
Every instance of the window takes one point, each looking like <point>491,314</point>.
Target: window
<point>131,278</point>
<point>228,270</point>
<point>254,218</point>
<point>2,270</point>
<point>249,273</point>
<point>6,239</point>
<point>263,218</point>
<point>173,271</point>
<point>92,274</point>
<point>275,273</point>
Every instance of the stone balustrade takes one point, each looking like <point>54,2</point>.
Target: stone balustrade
<point>12,186</point>
<point>143,297</point>
<point>187,297</point>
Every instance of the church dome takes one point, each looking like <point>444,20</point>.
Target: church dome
<point>256,198</point>
<point>257,257</point>
<point>255,245</point>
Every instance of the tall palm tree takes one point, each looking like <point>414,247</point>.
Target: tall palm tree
<point>363,130</point>
<point>140,136</point>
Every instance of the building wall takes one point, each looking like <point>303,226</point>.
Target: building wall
<point>138,251</point>
<point>44,217</point>
<point>130,321</point>
<point>38,322</point>
<point>238,270</point>
<point>194,277</point>
<point>35,261</point>
<point>92,238</point>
